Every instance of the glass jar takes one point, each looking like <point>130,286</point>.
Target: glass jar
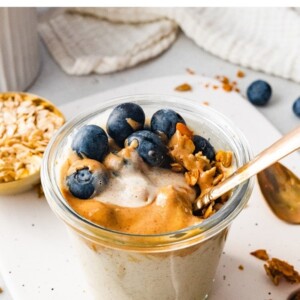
<point>173,265</point>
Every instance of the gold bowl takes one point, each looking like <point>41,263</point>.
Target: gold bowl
<point>27,123</point>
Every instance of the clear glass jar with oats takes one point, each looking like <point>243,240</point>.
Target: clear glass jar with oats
<point>138,236</point>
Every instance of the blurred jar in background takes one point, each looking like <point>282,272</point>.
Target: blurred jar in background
<point>19,48</point>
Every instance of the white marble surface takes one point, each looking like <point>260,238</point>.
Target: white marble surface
<point>61,88</point>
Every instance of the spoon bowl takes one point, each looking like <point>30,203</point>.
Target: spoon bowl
<point>281,189</point>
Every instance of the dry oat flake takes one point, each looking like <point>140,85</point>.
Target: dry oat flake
<point>27,123</point>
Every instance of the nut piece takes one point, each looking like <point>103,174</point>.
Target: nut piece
<point>26,126</point>
<point>185,87</point>
<point>225,158</point>
<point>260,254</point>
<point>277,269</point>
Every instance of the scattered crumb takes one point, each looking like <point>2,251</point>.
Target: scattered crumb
<point>185,87</point>
<point>215,87</point>
<point>39,190</point>
<point>205,103</point>
<point>190,71</point>
<point>260,254</point>
<point>277,269</point>
<point>227,85</point>
<point>241,267</point>
<point>224,277</point>
<point>240,74</point>
<point>1,290</point>
<point>206,85</point>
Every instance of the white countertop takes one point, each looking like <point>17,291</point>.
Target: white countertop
<point>61,88</point>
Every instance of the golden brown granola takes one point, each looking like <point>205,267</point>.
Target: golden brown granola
<point>277,269</point>
<point>199,171</point>
<point>260,254</point>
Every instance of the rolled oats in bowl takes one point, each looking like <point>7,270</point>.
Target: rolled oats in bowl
<point>27,123</point>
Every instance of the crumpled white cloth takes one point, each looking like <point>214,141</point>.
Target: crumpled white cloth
<point>103,40</point>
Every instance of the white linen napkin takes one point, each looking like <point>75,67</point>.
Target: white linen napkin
<point>104,40</point>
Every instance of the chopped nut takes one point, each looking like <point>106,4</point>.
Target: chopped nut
<point>227,87</point>
<point>184,130</point>
<point>260,254</point>
<point>277,269</point>
<point>209,211</point>
<point>192,176</point>
<point>185,87</point>
<point>225,158</point>
<point>240,74</point>
<point>176,167</point>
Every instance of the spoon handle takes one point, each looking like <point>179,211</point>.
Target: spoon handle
<point>284,146</point>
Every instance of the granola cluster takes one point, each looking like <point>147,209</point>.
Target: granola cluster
<point>276,268</point>
<point>199,170</point>
<point>26,125</point>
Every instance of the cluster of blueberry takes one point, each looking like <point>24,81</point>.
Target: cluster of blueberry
<point>259,93</point>
<point>126,126</point>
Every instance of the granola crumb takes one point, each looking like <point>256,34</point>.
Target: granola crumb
<point>39,190</point>
<point>241,267</point>
<point>215,87</point>
<point>277,269</point>
<point>227,85</point>
<point>240,74</point>
<point>260,254</point>
<point>185,87</point>
<point>190,71</point>
<point>1,290</point>
<point>205,103</point>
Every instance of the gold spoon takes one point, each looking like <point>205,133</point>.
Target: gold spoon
<point>284,146</point>
<point>281,189</point>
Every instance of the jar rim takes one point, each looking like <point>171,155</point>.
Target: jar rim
<point>150,242</point>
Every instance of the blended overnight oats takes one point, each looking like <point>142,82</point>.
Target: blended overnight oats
<point>129,175</point>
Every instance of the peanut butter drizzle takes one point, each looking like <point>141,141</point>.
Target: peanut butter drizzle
<point>153,218</point>
<point>171,210</point>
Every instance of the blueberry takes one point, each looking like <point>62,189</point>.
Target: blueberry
<point>125,119</point>
<point>296,107</point>
<point>164,121</point>
<point>259,92</point>
<point>86,182</point>
<point>90,141</point>
<point>203,145</point>
<point>150,148</point>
